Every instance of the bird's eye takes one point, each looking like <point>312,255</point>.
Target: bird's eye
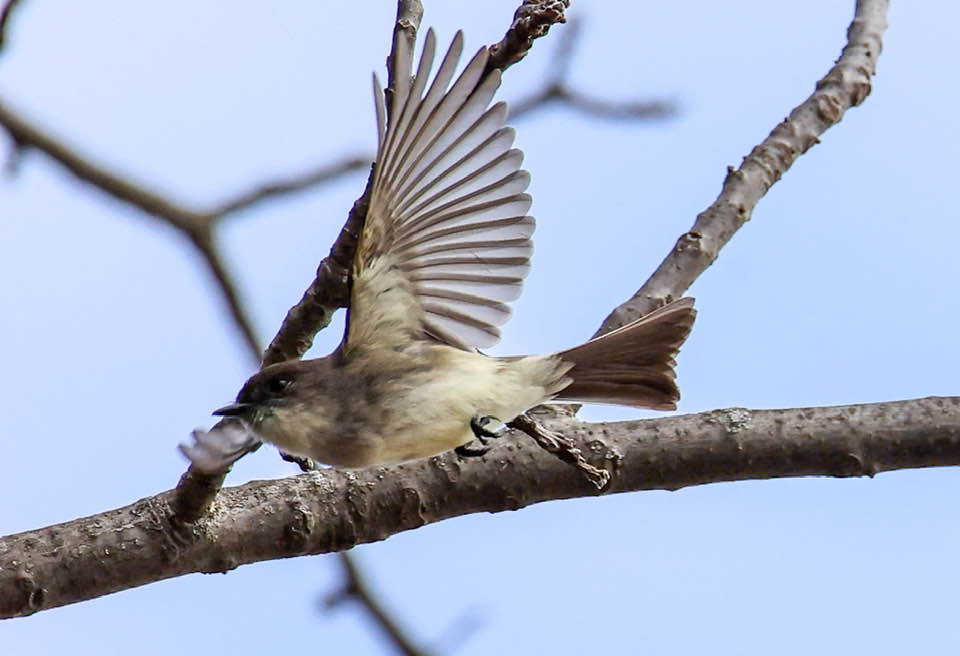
<point>278,385</point>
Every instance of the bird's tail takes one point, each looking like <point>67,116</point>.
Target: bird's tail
<point>633,365</point>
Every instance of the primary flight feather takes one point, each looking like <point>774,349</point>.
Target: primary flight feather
<point>444,248</point>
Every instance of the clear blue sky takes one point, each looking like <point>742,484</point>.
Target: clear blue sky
<point>841,290</point>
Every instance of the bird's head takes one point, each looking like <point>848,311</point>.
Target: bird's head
<point>274,398</point>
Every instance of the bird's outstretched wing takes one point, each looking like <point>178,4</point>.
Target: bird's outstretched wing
<point>446,243</point>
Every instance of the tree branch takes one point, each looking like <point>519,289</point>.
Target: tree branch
<point>628,110</point>
<point>845,85</point>
<point>308,180</point>
<point>355,587</point>
<point>195,226</point>
<point>332,510</point>
<point>25,135</point>
<point>6,16</point>
<point>557,90</point>
<point>532,20</point>
<point>204,243</point>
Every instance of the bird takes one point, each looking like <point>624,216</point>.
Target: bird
<point>445,247</point>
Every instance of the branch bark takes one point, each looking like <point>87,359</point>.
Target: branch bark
<point>328,291</point>
<point>331,510</point>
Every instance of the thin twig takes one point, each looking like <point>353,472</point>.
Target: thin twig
<point>557,90</point>
<point>532,20</point>
<point>26,135</point>
<point>562,447</point>
<point>561,94</point>
<point>295,184</point>
<point>196,226</point>
<point>328,292</point>
<point>210,254</point>
<point>6,14</point>
<point>355,588</point>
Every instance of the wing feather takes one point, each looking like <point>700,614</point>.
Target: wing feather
<point>447,212</point>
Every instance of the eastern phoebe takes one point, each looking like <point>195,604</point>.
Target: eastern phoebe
<point>445,246</point>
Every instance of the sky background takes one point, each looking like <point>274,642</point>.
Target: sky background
<point>840,290</point>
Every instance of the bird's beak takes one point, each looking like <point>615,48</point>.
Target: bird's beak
<point>232,410</point>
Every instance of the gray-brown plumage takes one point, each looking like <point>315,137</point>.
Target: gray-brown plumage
<point>632,365</point>
<point>444,249</point>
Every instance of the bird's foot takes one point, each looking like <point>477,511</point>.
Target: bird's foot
<point>484,427</point>
<point>487,426</point>
<point>467,451</point>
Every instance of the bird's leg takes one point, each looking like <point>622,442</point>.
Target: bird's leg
<point>483,427</point>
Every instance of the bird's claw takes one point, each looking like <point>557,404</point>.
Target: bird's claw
<point>487,426</point>
<point>484,427</point>
<point>467,451</point>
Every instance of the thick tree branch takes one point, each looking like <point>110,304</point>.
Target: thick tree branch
<point>846,85</point>
<point>333,510</point>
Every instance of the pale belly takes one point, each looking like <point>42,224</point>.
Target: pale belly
<point>441,407</point>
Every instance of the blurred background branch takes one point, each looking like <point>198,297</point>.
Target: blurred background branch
<point>6,17</point>
<point>355,588</point>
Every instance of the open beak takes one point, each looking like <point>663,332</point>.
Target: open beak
<point>232,410</point>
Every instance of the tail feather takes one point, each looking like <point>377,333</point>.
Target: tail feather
<point>632,365</point>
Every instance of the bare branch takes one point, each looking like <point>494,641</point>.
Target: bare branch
<point>308,180</point>
<point>557,90</point>
<point>196,226</point>
<point>328,292</point>
<point>532,20</point>
<point>333,510</point>
<point>409,15</point>
<point>631,110</point>
<point>355,588</point>
<point>846,85</point>
<point>25,135</point>
<point>562,447</point>
<point>203,241</point>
